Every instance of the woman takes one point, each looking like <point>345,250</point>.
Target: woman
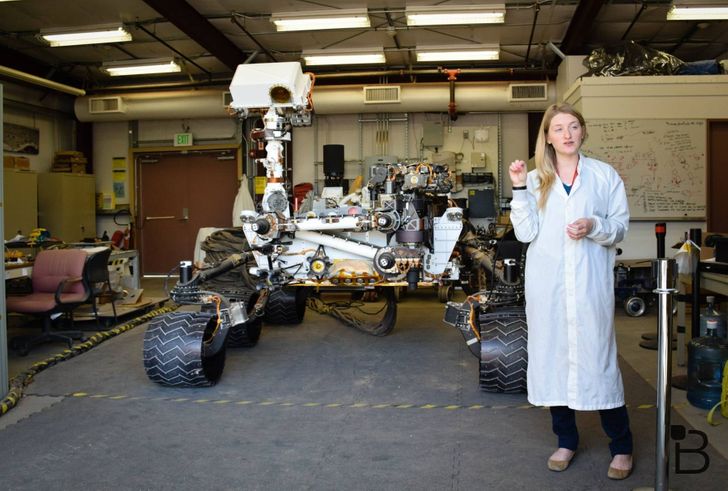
<point>573,210</point>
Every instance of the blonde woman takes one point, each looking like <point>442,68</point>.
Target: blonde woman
<point>573,210</point>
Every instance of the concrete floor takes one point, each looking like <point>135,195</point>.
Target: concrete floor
<point>323,406</point>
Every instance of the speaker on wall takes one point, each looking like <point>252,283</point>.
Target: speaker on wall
<point>334,160</point>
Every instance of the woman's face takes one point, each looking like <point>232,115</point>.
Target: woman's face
<point>565,134</point>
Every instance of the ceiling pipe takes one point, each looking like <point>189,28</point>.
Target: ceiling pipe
<point>327,99</point>
<point>44,82</point>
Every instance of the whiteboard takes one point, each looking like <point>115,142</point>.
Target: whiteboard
<point>662,164</point>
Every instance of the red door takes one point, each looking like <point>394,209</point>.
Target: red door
<point>179,194</point>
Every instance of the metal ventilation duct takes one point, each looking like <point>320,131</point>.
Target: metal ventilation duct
<point>348,99</point>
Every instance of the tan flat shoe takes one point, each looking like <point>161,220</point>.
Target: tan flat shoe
<point>619,474</point>
<point>560,465</point>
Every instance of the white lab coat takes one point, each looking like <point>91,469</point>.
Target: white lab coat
<point>572,351</point>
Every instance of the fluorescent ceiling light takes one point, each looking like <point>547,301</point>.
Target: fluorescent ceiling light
<point>115,33</point>
<point>697,12</point>
<point>321,19</point>
<point>141,67</point>
<point>468,52</point>
<point>339,57</point>
<point>441,15</point>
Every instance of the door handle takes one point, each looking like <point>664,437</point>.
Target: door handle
<point>171,217</point>
<point>185,213</point>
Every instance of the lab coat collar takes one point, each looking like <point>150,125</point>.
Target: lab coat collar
<point>577,182</point>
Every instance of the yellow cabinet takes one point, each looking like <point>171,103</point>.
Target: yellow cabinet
<point>67,205</point>
<point>21,202</point>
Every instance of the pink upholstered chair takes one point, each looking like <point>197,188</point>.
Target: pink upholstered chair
<point>59,286</point>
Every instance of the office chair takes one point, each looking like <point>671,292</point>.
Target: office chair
<point>59,286</point>
<point>97,278</point>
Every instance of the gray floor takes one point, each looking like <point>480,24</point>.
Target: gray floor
<point>322,406</point>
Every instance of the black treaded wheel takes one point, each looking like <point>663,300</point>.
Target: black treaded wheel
<point>503,351</point>
<point>173,353</point>
<point>444,292</point>
<point>246,335</point>
<point>286,306</point>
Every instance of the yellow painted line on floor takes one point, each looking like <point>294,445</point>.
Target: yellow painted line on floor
<point>333,405</point>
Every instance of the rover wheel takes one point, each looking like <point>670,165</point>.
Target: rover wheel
<point>444,292</point>
<point>635,306</point>
<point>503,351</point>
<point>173,350</point>
<point>246,335</point>
<point>286,306</point>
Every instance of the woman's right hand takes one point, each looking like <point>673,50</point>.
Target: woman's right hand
<point>517,171</point>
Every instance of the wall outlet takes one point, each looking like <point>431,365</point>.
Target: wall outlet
<point>466,134</point>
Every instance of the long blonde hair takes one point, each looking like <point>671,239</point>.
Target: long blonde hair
<point>545,156</point>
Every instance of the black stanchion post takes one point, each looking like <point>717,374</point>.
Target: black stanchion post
<point>696,237</point>
<point>660,232</point>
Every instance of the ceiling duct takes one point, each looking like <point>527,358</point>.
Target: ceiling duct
<point>527,92</point>
<point>106,105</point>
<point>328,99</point>
<point>381,94</point>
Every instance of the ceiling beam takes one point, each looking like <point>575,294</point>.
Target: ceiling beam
<point>188,20</point>
<point>580,27</point>
<point>25,63</point>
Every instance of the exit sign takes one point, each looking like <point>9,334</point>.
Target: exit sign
<point>183,139</point>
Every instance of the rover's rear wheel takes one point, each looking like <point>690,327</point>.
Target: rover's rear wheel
<point>503,351</point>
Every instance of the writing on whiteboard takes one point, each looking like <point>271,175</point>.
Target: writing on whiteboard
<point>662,163</point>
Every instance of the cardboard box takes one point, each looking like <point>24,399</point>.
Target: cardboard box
<point>15,162</point>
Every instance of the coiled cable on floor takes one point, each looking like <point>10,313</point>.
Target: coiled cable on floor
<point>18,383</point>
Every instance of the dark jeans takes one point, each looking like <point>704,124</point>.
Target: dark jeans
<point>614,421</point>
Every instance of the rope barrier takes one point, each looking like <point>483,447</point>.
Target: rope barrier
<point>18,383</point>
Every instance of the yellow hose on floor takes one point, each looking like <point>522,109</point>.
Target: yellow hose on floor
<point>723,399</point>
<point>18,383</point>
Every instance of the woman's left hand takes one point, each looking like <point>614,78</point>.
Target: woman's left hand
<point>580,228</point>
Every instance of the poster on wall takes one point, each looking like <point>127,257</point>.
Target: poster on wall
<point>20,139</point>
<point>118,170</point>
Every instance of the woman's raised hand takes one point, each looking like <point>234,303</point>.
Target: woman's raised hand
<point>517,171</point>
